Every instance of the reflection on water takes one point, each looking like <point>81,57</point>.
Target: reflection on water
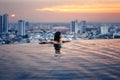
<point>82,60</point>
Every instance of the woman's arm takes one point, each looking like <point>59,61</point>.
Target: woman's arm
<point>46,42</point>
<point>65,41</point>
<point>53,42</point>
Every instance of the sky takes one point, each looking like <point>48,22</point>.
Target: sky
<point>61,10</point>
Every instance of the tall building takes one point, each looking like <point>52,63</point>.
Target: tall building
<point>27,23</point>
<point>21,27</point>
<point>104,29</point>
<point>5,23</point>
<point>74,26</point>
<point>1,24</point>
<point>4,20</point>
<point>82,26</point>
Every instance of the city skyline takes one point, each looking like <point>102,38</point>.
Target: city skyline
<point>61,11</point>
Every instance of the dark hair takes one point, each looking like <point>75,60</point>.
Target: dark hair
<point>57,36</point>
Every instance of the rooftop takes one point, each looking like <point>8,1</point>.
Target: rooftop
<point>80,60</point>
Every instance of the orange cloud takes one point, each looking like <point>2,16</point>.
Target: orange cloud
<point>84,8</point>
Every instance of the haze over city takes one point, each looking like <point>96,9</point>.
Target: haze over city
<point>61,10</point>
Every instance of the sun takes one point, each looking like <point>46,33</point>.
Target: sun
<point>12,15</point>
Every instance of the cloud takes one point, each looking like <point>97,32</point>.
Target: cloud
<point>112,8</point>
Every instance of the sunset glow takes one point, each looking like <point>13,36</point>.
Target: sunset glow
<point>84,8</point>
<point>62,10</point>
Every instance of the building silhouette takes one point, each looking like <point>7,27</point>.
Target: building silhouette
<point>21,27</point>
<point>74,26</point>
<point>104,29</point>
<point>82,27</point>
<point>1,24</point>
<point>4,21</point>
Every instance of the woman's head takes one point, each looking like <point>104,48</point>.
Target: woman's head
<point>57,36</point>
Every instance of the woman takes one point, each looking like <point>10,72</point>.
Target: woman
<point>57,42</point>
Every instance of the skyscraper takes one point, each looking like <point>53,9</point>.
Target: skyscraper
<point>1,25</point>
<point>74,26</point>
<point>104,29</point>
<point>21,27</point>
<point>4,20</point>
<point>5,23</point>
<point>82,26</point>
